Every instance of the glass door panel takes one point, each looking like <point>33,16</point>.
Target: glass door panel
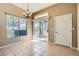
<point>36,28</point>
<point>45,28</point>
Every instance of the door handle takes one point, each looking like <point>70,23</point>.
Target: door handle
<point>56,32</point>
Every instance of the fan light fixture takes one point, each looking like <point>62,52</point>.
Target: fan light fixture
<point>27,14</point>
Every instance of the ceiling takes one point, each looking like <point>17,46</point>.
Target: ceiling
<point>34,7</point>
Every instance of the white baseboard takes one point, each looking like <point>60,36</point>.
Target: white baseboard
<point>70,47</point>
<point>77,49</point>
<point>74,48</point>
<point>11,44</point>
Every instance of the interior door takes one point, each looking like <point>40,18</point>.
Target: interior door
<point>63,30</point>
<point>69,30</point>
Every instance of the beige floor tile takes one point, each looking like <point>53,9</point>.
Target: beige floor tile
<point>37,48</point>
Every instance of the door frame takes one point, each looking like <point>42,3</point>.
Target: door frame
<point>78,28</point>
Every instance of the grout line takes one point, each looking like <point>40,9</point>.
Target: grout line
<point>12,51</point>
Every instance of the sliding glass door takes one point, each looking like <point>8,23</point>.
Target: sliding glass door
<point>40,29</point>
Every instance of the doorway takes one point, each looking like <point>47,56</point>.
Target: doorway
<point>40,29</point>
<point>63,30</point>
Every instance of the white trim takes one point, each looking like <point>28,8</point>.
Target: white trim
<point>11,44</point>
<point>74,48</point>
<point>66,46</point>
<point>77,27</point>
<point>77,49</point>
<point>42,15</point>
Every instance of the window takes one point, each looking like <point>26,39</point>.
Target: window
<point>22,27</point>
<point>15,26</point>
<point>10,25</point>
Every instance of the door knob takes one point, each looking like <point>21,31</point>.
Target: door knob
<point>47,30</point>
<point>56,32</point>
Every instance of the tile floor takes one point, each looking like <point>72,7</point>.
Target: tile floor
<point>37,48</point>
